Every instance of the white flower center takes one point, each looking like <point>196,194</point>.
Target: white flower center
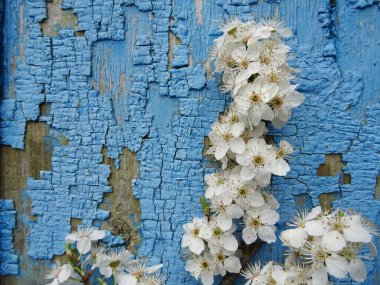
<point>273,77</point>
<point>321,255</point>
<point>235,119</point>
<point>217,232</point>
<point>221,208</point>
<point>277,102</point>
<point>244,63</point>
<point>258,160</point>
<point>255,223</point>
<point>227,137</point>
<point>205,265</point>
<point>220,181</point>
<point>242,192</point>
<point>255,98</point>
<point>196,232</point>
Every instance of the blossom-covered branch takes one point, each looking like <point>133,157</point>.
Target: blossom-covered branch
<point>320,244</point>
<point>252,58</point>
<point>94,263</point>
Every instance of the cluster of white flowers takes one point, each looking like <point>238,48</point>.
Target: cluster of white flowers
<point>320,244</point>
<point>86,257</point>
<point>252,60</point>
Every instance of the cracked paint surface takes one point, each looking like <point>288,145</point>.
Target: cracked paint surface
<point>129,75</point>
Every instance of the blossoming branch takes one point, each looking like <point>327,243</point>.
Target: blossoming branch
<point>94,263</point>
<point>252,58</point>
<point>320,244</point>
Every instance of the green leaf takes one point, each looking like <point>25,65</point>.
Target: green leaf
<point>205,206</point>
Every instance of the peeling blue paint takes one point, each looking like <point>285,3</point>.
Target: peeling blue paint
<point>9,261</point>
<point>113,88</point>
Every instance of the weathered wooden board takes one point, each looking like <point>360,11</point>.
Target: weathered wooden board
<point>106,105</point>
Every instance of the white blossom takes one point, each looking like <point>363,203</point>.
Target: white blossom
<point>306,224</point>
<point>226,262</point>
<point>344,228</point>
<point>216,184</point>
<point>283,103</point>
<point>202,267</point>
<point>221,239</point>
<point>194,232</point>
<point>84,237</point>
<point>325,262</point>
<point>245,193</point>
<point>246,61</point>
<point>252,274</point>
<point>274,25</point>
<point>259,162</point>
<point>95,256</point>
<point>225,211</point>
<point>59,273</point>
<point>136,272</point>
<point>113,260</point>
<point>223,139</point>
<point>253,98</point>
<point>259,222</point>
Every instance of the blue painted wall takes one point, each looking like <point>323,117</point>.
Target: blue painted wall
<point>136,79</point>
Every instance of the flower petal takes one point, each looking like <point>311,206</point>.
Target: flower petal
<point>84,245</point>
<point>356,233</point>
<point>295,237</point>
<point>262,177</point>
<point>127,279</point>
<point>65,273</point>
<point>207,277</point>
<point>232,264</point>
<point>237,145</point>
<point>319,276</point>
<point>221,151</point>
<point>266,112</point>
<point>267,234</point>
<point>71,238</point>
<point>315,212</point>
<point>247,173</point>
<point>234,211</point>
<point>97,234</point>
<point>106,271</point>
<point>337,266</point>
<point>237,129</point>
<point>333,241</point>
<point>279,167</point>
<point>196,245</point>
<point>256,199</point>
<point>316,228</point>
<point>254,115</point>
<point>296,99</point>
<point>55,282</point>
<point>224,222</point>
<point>269,217</point>
<point>249,235</point>
<point>279,276</point>
<point>357,270</point>
<point>229,242</point>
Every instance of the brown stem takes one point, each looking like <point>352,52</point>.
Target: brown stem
<point>248,251</point>
<point>85,278</point>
